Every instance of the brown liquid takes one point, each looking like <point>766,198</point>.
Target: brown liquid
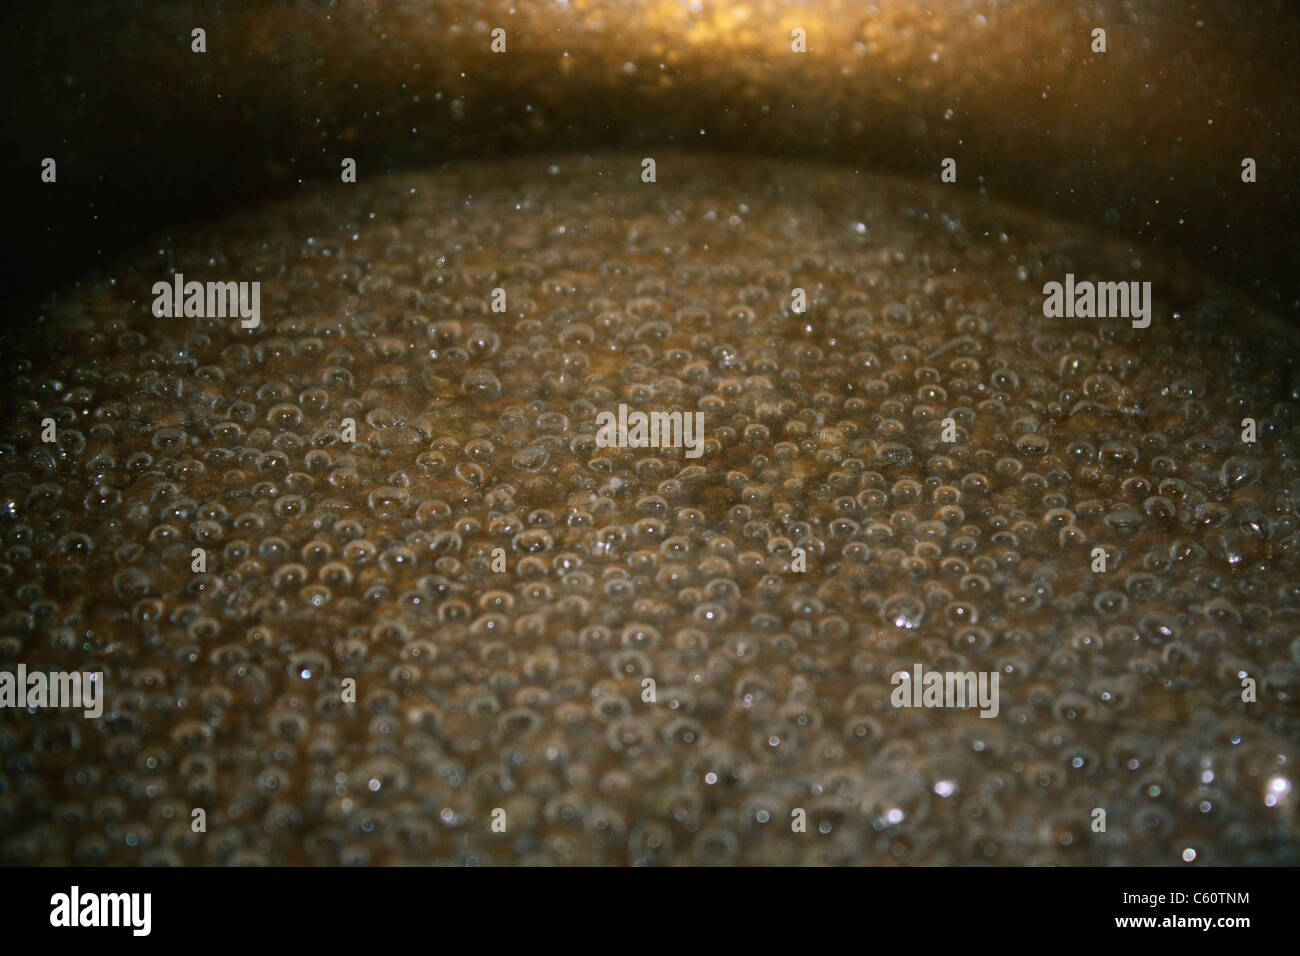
<point>522,690</point>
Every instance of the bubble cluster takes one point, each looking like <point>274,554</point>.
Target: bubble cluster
<point>476,689</point>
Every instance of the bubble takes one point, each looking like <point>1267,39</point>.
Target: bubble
<point>481,383</point>
<point>903,611</point>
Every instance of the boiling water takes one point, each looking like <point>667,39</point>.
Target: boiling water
<point>523,690</point>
